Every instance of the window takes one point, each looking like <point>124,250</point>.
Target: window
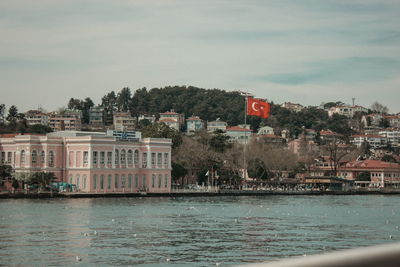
<point>94,181</point>
<point>34,156</point>
<point>123,181</point>
<point>51,158</point>
<point>129,180</point>
<point>109,157</point>
<point>22,156</point>
<point>94,157</point>
<point>153,180</point>
<point>123,156</point>
<point>85,157</point>
<point>102,156</point>
<point>136,180</point>
<point>9,156</point>
<point>42,157</point>
<point>166,181</point>
<point>130,157</point>
<point>144,180</point>
<point>153,159</point>
<point>159,160</point>
<point>84,181</point>
<point>166,159</point>
<point>144,160</point>
<point>109,181</point>
<point>116,181</point>
<point>78,181</point>
<point>102,181</point>
<point>159,180</point>
<point>136,157</point>
<point>116,157</point>
<point>3,157</point>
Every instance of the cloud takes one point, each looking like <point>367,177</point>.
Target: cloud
<point>348,70</point>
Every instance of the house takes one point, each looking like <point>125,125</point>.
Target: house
<point>66,120</point>
<point>172,119</point>
<point>92,161</point>
<point>213,126</point>
<point>391,136</point>
<point>271,138</point>
<point>347,111</point>
<point>150,118</point>
<point>239,134</point>
<point>292,106</point>
<point>194,124</point>
<point>123,122</point>
<point>375,141</point>
<point>373,119</point>
<point>265,130</point>
<point>328,135</point>
<point>394,120</point>
<point>36,117</point>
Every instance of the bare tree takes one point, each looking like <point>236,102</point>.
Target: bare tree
<point>379,108</point>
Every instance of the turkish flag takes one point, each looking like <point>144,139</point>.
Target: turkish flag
<point>257,108</point>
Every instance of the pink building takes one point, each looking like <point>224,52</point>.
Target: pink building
<point>94,162</point>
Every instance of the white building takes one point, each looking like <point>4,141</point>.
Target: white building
<point>212,126</point>
<point>123,122</point>
<point>374,141</point>
<point>239,134</point>
<point>36,117</point>
<point>172,119</point>
<point>347,111</point>
<point>265,130</point>
<point>194,124</point>
<point>392,136</point>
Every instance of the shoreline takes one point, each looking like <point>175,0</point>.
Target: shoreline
<point>47,195</point>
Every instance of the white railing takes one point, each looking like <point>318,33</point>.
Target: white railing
<point>377,256</point>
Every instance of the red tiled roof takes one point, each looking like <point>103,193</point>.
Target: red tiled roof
<point>12,135</point>
<point>373,164</point>
<point>167,120</point>
<point>270,136</point>
<point>323,132</point>
<point>193,119</point>
<point>367,135</point>
<point>169,113</point>
<point>391,116</point>
<point>237,129</point>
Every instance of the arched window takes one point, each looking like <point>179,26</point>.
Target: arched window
<point>123,156</point>
<point>51,158</point>
<point>116,157</point>
<point>136,157</point>
<point>130,157</point>
<point>42,157</point>
<point>22,156</point>
<point>34,156</point>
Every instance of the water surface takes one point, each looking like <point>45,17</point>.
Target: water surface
<point>187,231</point>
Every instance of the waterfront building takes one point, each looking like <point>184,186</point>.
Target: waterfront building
<point>194,124</point>
<point>172,119</point>
<point>92,161</point>
<point>36,117</point>
<point>66,120</point>
<point>213,126</point>
<point>123,121</point>
<point>239,134</point>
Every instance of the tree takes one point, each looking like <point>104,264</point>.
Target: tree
<point>108,103</point>
<point>384,123</point>
<point>2,111</point>
<point>389,158</point>
<point>178,172</point>
<point>123,100</point>
<point>42,179</point>
<point>161,130</point>
<point>12,116</point>
<point>6,172</point>
<point>379,108</point>
<point>336,151</point>
<point>256,169</point>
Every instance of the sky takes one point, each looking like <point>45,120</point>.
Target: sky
<point>302,51</point>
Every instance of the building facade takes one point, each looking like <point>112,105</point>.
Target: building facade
<point>68,120</point>
<point>239,134</point>
<point>213,126</point>
<point>347,111</point>
<point>172,119</point>
<point>194,124</point>
<point>36,117</point>
<point>123,122</point>
<point>93,162</point>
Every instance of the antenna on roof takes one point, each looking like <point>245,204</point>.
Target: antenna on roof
<point>353,100</point>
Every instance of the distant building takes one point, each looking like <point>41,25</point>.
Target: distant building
<point>239,134</point>
<point>292,106</point>
<point>194,124</point>
<point>328,135</point>
<point>213,126</point>
<point>271,138</point>
<point>172,119</point>
<point>36,117</point>
<point>123,121</point>
<point>133,136</point>
<point>150,118</point>
<point>375,141</point>
<point>265,130</point>
<point>371,120</point>
<point>67,120</point>
<point>347,111</point>
<point>96,116</point>
<point>394,120</point>
<point>391,136</point>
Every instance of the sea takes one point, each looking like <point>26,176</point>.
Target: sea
<point>190,231</point>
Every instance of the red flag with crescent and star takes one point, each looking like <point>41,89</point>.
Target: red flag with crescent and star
<point>257,108</point>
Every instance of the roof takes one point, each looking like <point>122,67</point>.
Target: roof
<point>329,132</point>
<point>167,120</point>
<point>373,164</point>
<point>270,136</point>
<point>391,116</point>
<point>195,118</point>
<point>169,113</point>
<point>237,129</point>
<point>12,135</point>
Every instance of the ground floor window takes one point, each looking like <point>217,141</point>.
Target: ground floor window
<point>116,181</point>
<point>159,180</point>
<point>102,181</point>
<point>109,181</point>
<point>166,181</point>
<point>84,181</point>
<point>94,181</point>
<point>144,180</point>
<point>129,180</point>
<point>136,180</point>
<point>153,180</point>
<point>77,181</point>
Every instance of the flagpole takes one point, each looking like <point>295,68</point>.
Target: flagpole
<point>245,137</point>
